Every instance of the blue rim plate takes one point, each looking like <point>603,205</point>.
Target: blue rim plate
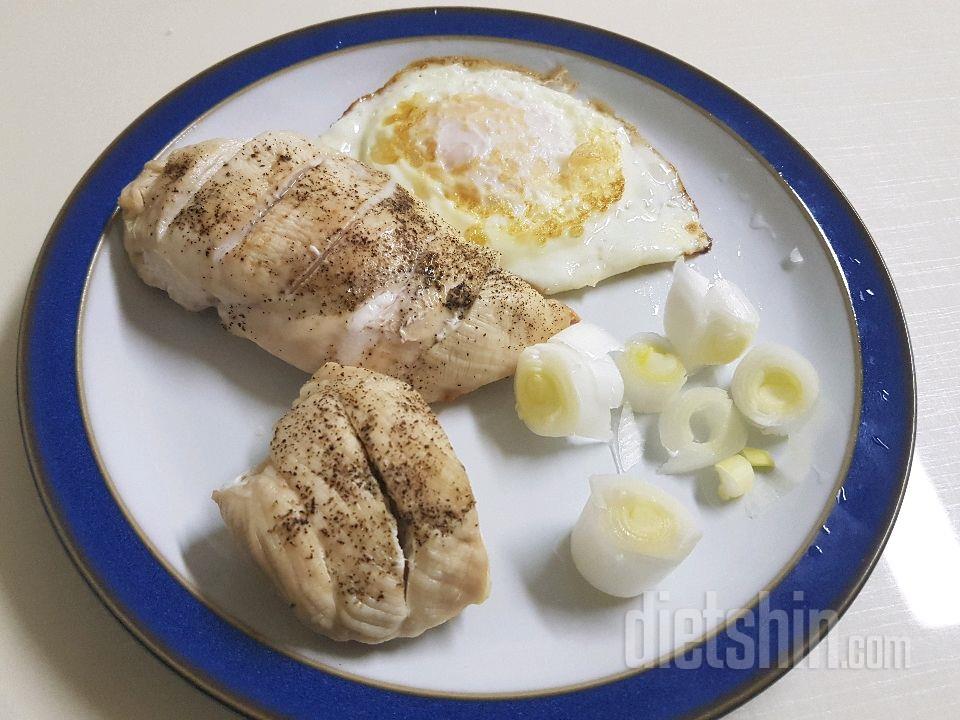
<point>262,682</point>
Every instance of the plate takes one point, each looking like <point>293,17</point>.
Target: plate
<point>134,411</point>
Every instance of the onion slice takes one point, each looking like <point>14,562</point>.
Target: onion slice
<point>759,458</point>
<point>652,372</point>
<point>711,408</point>
<point>708,323</point>
<point>774,387</point>
<point>596,345</point>
<point>627,445</point>
<point>736,477</point>
<point>630,535</point>
<point>569,384</point>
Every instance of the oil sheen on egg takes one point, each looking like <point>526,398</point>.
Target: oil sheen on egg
<point>566,192</point>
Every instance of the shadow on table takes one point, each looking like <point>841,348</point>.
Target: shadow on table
<point>84,650</point>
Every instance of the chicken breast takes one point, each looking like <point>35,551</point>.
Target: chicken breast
<point>317,257</point>
<point>362,515</point>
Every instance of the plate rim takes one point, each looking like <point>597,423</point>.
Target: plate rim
<point>741,691</point>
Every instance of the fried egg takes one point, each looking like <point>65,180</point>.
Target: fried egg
<point>568,193</point>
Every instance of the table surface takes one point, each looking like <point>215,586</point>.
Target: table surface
<point>871,89</point>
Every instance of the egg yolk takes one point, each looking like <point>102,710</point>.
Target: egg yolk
<point>491,158</point>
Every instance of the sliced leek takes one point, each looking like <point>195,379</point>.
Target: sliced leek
<point>630,535</point>
<point>760,459</point>
<point>569,384</point>
<point>588,339</point>
<point>627,443</point>
<point>652,372</point>
<point>774,386</point>
<point>736,477</point>
<point>722,432</point>
<point>548,387</point>
<point>708,323</point>
<point>596,345</point>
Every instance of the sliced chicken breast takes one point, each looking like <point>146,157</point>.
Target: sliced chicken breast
<point>317,257</point>
<point>362,515</point>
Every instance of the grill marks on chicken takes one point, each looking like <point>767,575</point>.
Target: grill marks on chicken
<point>316,257</point>
<point>362,515</point>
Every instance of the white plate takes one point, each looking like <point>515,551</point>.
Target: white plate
<point>190,407</point>
<point>134,410</point>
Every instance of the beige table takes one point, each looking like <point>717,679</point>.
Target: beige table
<point>871,89</point>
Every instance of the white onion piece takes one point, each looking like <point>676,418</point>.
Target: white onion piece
<point>726,433</point>
<point>758,458</point>
<point>587,339</point>
<point>735,475</point>
<point>708,323</point>
<point>652,372</point>
<point>630,535</point>
<point>596,344</point>
<point>627,443</point>
<point>774,387</point>
<point>569,384</point>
